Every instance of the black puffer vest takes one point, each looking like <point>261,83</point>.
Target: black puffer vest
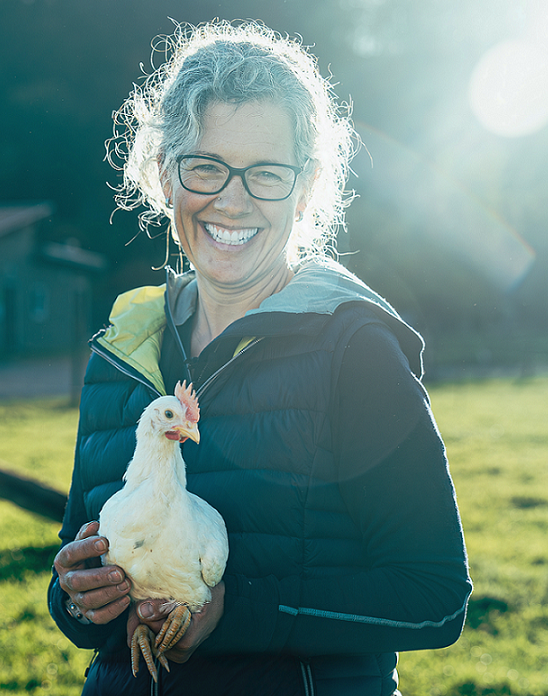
<point>266,461</point>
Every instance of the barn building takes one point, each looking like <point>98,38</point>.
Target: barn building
<point>45,287</point>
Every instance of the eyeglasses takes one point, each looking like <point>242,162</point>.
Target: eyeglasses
<point>264,181</point>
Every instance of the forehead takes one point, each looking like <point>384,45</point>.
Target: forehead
<point>245,133</point>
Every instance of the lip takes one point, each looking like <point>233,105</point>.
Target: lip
<point>230,237</point>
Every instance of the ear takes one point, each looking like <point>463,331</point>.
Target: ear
<point>305,194</point>
<point>302,202</point>
<point>299,211</point>
<point>165,179</point>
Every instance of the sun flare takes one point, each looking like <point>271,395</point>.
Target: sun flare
<point>509,88</point>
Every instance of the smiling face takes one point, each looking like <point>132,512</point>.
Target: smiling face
<point>235,241</point>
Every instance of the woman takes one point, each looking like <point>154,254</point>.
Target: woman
<point>317,446</point>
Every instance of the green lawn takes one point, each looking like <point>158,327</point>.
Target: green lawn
<point>497,438</point>
<point>37,439</point>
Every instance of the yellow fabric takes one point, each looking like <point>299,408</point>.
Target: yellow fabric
<point>135,334</point>
<point>137,324</point>
<point>246,340</point>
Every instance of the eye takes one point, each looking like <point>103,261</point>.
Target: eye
<point>266,176</point>
<point>168,413</point>
<point>206,169</point>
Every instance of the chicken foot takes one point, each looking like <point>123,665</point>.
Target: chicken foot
<point>174,628</point>
<point>142,641</point>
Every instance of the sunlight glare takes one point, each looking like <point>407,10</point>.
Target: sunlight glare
<point>509,88</point>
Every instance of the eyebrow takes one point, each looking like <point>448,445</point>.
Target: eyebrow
<point>197,153</point>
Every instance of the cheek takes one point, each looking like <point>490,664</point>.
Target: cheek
<point>182,234</point>
<point>281,218</point>
<point>186,206</point>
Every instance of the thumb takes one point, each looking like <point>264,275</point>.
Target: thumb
<point>153,609</point>
<point>87,530</point>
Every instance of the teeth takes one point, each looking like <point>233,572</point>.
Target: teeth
<point>233,237</point>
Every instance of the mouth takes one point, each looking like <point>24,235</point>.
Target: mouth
<point>230,237</point>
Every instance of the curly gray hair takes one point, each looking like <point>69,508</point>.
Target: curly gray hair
<point>234,63</point>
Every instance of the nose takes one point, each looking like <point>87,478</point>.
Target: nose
<point>234,201</point>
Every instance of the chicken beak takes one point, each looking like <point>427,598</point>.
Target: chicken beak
<point>193,434</point>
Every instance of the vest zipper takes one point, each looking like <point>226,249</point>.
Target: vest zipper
<point>169,319</point>
<point>175,334</point>
<point>134,374</point>
<point>122,367</point>
<point>214,376</point>
<point>308,682</point>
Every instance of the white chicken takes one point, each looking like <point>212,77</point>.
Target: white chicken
<point>171,544</point>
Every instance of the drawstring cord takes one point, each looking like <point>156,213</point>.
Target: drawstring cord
<point>307,678</point>
<point>155,686</point>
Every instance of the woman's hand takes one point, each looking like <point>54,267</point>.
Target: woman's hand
<point>202,623</point>
<point>100,592</point>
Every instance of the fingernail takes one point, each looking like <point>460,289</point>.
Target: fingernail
<point>146,610</point>
<point>122,587</point>
<point>115,576</point>
<point>100,545</point>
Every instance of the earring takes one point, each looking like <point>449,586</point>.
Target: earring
<point>300,217</point>
<point>168,202</point>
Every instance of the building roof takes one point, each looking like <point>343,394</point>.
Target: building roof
<point>15,216</point>
<point>71,255</point>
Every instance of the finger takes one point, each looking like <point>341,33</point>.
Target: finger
<point>97,598</point>
<point>153,610</point>
<point>84,580</point>
<point>87,530</point>
<point>203,622</point>
<point>77,552</point>
<point>132,623</point>
<point>109,612</point>
<point>179,655</point>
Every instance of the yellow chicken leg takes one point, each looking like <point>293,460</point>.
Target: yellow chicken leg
<point>174,628</point>
<point>141,642</point>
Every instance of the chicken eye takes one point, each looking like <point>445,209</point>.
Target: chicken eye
<point>168,413</point>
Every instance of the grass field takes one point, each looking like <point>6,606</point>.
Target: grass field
<point>497,438</point>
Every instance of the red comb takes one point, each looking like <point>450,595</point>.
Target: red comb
<point>187,397</point>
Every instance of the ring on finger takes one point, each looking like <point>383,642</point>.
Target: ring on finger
<point>75,611</point>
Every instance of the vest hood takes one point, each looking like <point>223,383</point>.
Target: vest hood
<point>319,287</point>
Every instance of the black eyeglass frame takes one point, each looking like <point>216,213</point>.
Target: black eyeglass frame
<point>238,171</point>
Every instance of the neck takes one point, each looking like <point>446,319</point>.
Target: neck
<point>149,450</point>
<point>218,307</point>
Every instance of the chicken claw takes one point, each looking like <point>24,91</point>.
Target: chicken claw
<point>174,628</point>
<point>141,642</point>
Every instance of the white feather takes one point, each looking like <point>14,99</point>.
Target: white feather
<point>170,543</point>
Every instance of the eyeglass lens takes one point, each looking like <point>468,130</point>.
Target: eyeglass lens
<point>268,181</point>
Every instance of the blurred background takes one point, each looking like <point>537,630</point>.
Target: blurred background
<point>450,100</point>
